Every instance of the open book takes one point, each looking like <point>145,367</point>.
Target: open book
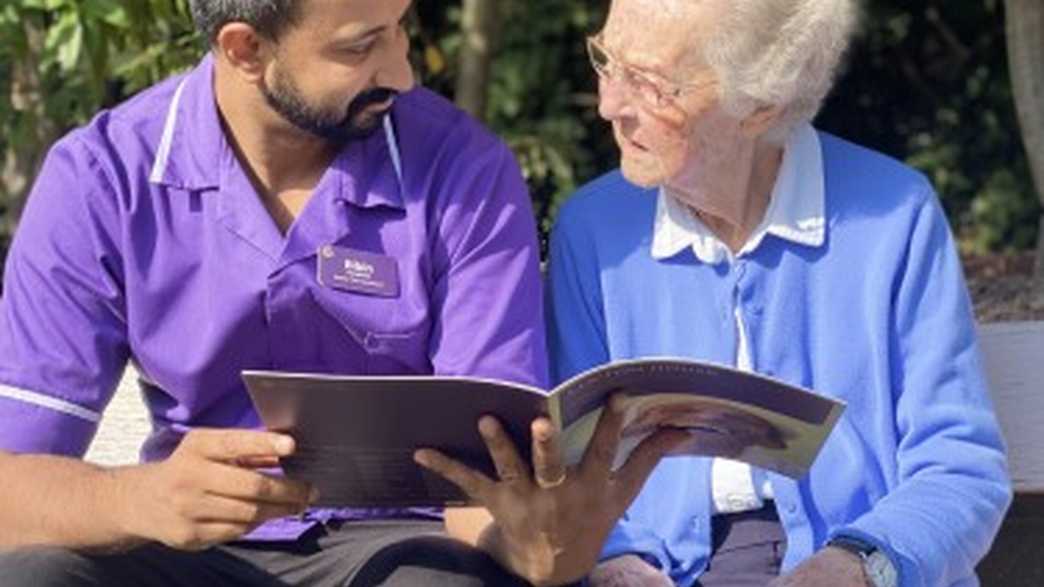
<point>356,434</point>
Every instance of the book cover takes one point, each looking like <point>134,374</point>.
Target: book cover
<point>356,434</point>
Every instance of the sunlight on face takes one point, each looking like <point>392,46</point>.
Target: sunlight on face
<point>661,38</point>
<point>336,71</point>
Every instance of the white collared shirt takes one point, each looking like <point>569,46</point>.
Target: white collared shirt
<point>796,212</point>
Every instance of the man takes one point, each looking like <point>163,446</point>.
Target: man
<point>736,233</point>
<point>181,231</point>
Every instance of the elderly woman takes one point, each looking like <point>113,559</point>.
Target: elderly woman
<point>735,232</point>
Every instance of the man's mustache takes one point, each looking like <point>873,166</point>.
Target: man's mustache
<point>368,98</point>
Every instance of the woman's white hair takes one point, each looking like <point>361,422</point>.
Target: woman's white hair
<point>780,53</point>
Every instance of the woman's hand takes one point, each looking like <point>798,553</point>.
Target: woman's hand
<point>628,571</point>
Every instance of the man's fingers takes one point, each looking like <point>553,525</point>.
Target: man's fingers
<point>232,445</point>
<point>509,465</point>
<point>202,536</point>
<point>471,482</point>
<point>258,462</point>
<point>227,510</point>
<point>234,482</point>
<point>630,478</point>
<point>601,451</point>
<point>548,468</point>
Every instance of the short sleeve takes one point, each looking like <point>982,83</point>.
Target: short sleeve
<point>63,340</point>
<point>487,293</point>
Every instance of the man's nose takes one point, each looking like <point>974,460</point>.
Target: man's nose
<point>396,73</point>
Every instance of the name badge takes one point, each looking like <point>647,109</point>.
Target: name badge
<point>358,271</point>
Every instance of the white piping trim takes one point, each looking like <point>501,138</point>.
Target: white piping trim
<point>393,147</point>
<point>31,397</point>
<point>159,167</point>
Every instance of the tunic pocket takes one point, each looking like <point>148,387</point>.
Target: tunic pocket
<point>394,337</point>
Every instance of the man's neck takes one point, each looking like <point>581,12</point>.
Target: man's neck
<point>283,163</point>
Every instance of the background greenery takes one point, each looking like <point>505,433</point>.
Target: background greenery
<point>927,82</point>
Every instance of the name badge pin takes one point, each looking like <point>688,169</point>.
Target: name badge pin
<point>358,271</point>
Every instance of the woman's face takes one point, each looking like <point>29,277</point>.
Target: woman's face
<point>659,39</point>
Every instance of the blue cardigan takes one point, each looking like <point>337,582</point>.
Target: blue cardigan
<point>879,317</point>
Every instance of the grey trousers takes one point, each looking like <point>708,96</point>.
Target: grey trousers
<point>388,553</point>
<point>748,549</point>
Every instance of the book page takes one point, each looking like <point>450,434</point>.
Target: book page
<point>729,413</point>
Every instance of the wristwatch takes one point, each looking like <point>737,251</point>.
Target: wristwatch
<point>878,567</point>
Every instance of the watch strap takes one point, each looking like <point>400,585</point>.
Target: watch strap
<point>856,546</point>
<point>879,569</point>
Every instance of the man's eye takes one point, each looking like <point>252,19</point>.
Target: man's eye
<point>361,49</point>
<point>408,20</point>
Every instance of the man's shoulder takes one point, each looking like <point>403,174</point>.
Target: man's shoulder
<point>425,119</point>
<point>133,126</point>
<point>433,130</point>
<point>149,107</point>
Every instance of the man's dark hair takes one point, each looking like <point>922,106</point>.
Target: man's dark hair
<point>268,17</point>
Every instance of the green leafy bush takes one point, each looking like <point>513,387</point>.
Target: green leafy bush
<point>927,85</point>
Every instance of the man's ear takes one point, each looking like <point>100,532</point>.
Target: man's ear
<point>246,51</point>
<point>761,120</point>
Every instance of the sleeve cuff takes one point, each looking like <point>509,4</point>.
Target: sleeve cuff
<point>623,540</point>
<point>909,573</point>
<point>33,429</point>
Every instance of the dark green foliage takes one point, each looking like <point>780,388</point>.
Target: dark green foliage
<point>94,53</point>
<point>927,83</point>
<point>542,95</point>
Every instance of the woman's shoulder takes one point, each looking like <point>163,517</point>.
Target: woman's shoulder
<point>608,201</point>
<point>875,203</point>
<point>861,176</point>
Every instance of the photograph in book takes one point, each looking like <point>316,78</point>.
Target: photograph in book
<point>356,434</point>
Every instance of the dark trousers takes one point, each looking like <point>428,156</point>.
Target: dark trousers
<point>747,551</point>
<point>357,554</point>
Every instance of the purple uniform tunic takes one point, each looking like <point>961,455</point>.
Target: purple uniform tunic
<point>144,240</point>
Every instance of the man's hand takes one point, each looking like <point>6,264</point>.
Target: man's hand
<point>208,491</point>
<point>830,567</point>
<point>628,571</point>
<point>549,525</point>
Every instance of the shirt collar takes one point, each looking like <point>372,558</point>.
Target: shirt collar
<point>193,142</point>
<point>796,210</point>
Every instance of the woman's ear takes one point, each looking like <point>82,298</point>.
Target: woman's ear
<point>761,120</point>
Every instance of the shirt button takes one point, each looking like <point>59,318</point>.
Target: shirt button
<point>371,343</point>
<point>695,524</point>
<point>738,503</point>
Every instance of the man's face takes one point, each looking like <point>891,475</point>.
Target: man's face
<point>659,39</point>
<point>337,69</point>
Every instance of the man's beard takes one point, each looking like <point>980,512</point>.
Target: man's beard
<point>288,102</point>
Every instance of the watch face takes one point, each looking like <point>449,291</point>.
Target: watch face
<point>880,570</point>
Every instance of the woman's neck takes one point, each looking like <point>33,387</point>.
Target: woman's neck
<point>732,193</point>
